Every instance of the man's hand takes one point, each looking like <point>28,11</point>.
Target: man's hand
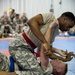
<point>47,49</point>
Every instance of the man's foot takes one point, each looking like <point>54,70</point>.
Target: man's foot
<point>71,54</point>
<point>63,53</point>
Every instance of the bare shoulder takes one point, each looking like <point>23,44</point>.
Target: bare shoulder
<point>38,18</point>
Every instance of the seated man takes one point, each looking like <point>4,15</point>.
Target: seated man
<point>6,30</point>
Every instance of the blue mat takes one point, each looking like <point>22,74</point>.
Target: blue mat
<point>4,45</point>
<point>65,44</point>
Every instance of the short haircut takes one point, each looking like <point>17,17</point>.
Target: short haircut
<point>17,15</point>
<point>70,15</point>
<point>13,9</point>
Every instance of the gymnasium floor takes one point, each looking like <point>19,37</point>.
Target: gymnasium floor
<point>65,43</point>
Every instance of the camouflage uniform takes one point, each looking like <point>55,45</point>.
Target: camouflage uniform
<point>4,62</point>
<point>17,22</point>
<point>24,58</point>
<point>9,64</point>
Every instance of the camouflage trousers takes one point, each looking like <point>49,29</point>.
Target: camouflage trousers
<point>4,62</point>
<point>24,58</point>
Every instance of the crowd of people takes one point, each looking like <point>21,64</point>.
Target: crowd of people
<point>12,23</point>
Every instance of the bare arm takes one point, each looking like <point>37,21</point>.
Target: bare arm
<point>43,57</point>
<point>59,51</point>
<point>53,56</point>
<point>69,57</point>
<point>34,24</point>
<point>48,35</point>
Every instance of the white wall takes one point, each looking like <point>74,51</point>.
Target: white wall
<point>33,7</point>
<point>66,5</point>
